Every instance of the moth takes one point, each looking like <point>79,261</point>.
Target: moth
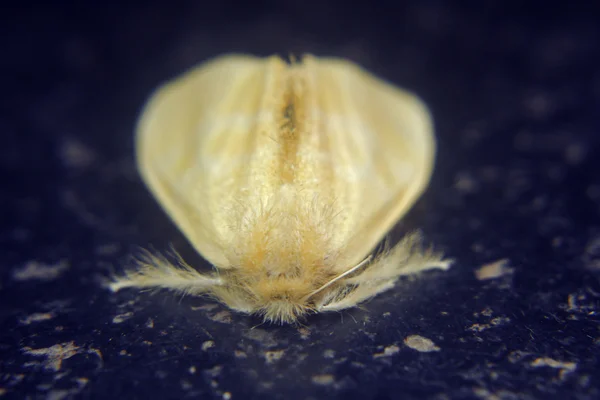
<point>285,176</point>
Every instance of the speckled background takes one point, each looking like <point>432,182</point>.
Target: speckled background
<point>515,92</point>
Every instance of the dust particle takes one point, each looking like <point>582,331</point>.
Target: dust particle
<point>56,354</point>
<point>329,353</point>
<point>493,270</point>
<point>265,338</point>
<point>240,354</point>
<point>591,255</point>
<point>465,182</point>
<point>388,351</point>
<point>421,344</point>
<point>75,154</point>
<point>487,312</point>
<point>304,333</point>
<point>223,317</point>
<point>478,327</point>
<point>122,317</point>
<point>564,367</point>
<point>208,345</point>
<point>36,270</point>
<point>206,307</point>
<point>214,371</point>
<point>323,380</point>
<point>36,317</point>
<point>186,385</point>
<point>500,321</point>
<point>273,355</point>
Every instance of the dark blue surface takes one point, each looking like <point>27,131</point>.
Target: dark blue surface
<point>515,94</point>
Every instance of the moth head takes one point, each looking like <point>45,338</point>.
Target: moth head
<point>282,299</point>
<point>286,297</point>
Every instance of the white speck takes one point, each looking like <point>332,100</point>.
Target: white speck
<point>487,312</point>
<point>75,154</point>
<point>323,380</point>
<point>61,394</point>
<point>122,317</point>
<point>591,255</point>
<point>192,370</point>
<point>478,327</point>
<point>576,302</point>
<point>240,354</point>
<point>499,321</point>
<point>564,367</point>
<point>265,338</point>
<point>56,354</point>
<point>208,345</point>
<point>387,352</point>
<point>421,344</point>
<point>223,317</point>
<point>329,353</point>
<point>273,355</point>
<point>517,356</point>
<point>36,270</point>
<point>205,307</point>
<point>186,385</point>
<point>214,371</point>
<point>304,333</point>
<point>493,270</point>
<point>36,317</point>
<point>465,183</point>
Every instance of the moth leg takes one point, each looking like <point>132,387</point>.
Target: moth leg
<point>155,271</point>
<point>407,257</point>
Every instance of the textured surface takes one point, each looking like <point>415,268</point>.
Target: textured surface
<point>515,199</point>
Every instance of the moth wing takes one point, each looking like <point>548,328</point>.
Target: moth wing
<point>190,136</point>
<point>383,145</point>
<point>195,133</point>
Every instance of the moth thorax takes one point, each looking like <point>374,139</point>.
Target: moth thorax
<point>282,288</point>
<point>281,271</point>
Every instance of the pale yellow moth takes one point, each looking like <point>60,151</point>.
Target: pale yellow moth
<point>285,177</point>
